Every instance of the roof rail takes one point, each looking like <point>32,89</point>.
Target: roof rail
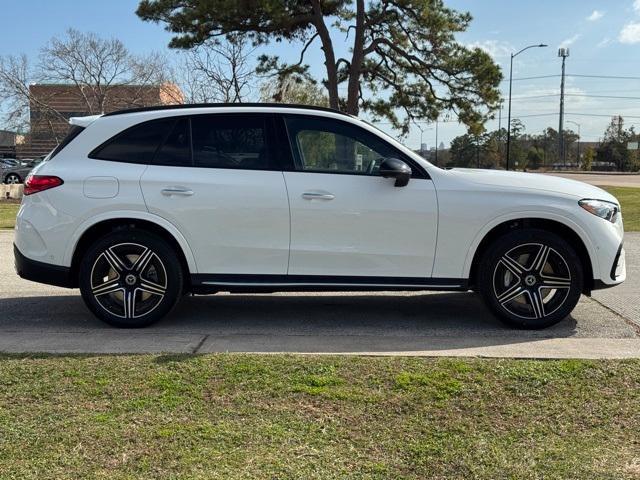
<point>220,105</point>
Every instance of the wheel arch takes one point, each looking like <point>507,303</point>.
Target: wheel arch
<point>8,174</point>
<point>89,232</point>
<point>570,233</point>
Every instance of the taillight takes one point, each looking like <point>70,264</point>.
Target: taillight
<point>38,183</point>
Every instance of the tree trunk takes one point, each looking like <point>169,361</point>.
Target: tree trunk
<point>329,54</point>
<point>353,90</point>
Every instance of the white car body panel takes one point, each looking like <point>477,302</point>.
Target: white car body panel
<point>256,222</point>
<point>236,221</point>
<point>369,228</point>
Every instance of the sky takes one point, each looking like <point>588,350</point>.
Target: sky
<point>603,38</point>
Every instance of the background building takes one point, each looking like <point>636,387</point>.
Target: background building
<point>8,144</point>
<point>51,106</point>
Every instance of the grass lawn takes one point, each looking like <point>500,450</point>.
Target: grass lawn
<point>305,417</point>
<point>629,198</point>
<point>8,212</point>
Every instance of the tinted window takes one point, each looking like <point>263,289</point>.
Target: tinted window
<point>324,145</point>
<point>176,149</point>
<point>138,144</point>
<point>230,141</point>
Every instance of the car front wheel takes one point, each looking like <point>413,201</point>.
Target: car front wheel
<point>531,278</point>
<point>130,278</point>
<point>12,179</point>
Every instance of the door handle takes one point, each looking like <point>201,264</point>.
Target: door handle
<point>318,196</point>
<point>181,191</point>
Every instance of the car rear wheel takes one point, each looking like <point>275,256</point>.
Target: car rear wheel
<point>130,278</point>
<point>12,178</point>
<point>531,278</point>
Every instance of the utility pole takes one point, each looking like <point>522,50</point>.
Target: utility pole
<point>562,53</point>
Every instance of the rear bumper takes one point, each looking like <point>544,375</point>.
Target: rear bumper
<point>42,272</point>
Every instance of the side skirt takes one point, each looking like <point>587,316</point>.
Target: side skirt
<point>212,283</point>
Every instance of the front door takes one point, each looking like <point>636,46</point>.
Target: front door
<point>348,221</point>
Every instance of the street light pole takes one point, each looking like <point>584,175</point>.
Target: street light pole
<point>436,141</point>
<point>579,138</point>
<point>513,55</point>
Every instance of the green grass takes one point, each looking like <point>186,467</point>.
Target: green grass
<point>304,417</point>
<point>629,198</point>
<point>8,212</point>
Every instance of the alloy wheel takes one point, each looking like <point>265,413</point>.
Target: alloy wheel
<point>12,179</point>
<point>128,280</point>
<point>531,281</point>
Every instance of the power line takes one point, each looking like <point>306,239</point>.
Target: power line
<point>576,113</point>
<point>602,115</point>
<point>600,96</point>
<point>586,95</point>
<point>614,77</point>
<point>578,75</point>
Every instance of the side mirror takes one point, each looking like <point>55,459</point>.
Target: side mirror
<point>395,168</point>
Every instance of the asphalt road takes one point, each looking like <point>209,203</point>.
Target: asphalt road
<point>603,179</point>
<point>39,318</point>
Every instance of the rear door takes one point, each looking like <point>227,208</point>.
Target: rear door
<point>224,191</point>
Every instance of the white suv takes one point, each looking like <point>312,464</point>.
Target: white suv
<point>139,207</point>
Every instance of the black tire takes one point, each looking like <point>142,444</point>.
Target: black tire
<point>530,278</point>
<point>132,265</point>
<point>12,178</point>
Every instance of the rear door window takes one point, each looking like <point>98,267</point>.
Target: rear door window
<point>230,141</point>
<point>176,149</point>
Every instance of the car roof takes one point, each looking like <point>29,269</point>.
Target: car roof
<point>239,106</point>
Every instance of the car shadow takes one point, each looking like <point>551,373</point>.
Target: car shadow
<point>304,323</point>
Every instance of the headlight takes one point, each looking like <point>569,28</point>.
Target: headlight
<point>601,208</point>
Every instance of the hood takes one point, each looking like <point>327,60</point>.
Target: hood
<point>532,181</point>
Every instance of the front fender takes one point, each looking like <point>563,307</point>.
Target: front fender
<point>531,214</point>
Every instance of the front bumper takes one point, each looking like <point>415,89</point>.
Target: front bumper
<point>617,274</point>
<point>42,272</point>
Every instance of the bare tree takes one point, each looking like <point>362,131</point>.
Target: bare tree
<point>98,68</point>
<point>15,78</point>
<point>102,74</point>
<point>219,71</point>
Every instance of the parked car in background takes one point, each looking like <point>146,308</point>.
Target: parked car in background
<point>15,171</point>
<point>137,208</point>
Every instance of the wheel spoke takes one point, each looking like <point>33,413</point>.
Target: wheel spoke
<point>554,282</point>
<point>116,263</point>
<point>110,286</point>
<point>540,259</point>
<point>151,287</point>
<point>512,265</point>
<point>510,294</point>
<point>129,303</point>
<point>536,303</point>
<point>143,260</point>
